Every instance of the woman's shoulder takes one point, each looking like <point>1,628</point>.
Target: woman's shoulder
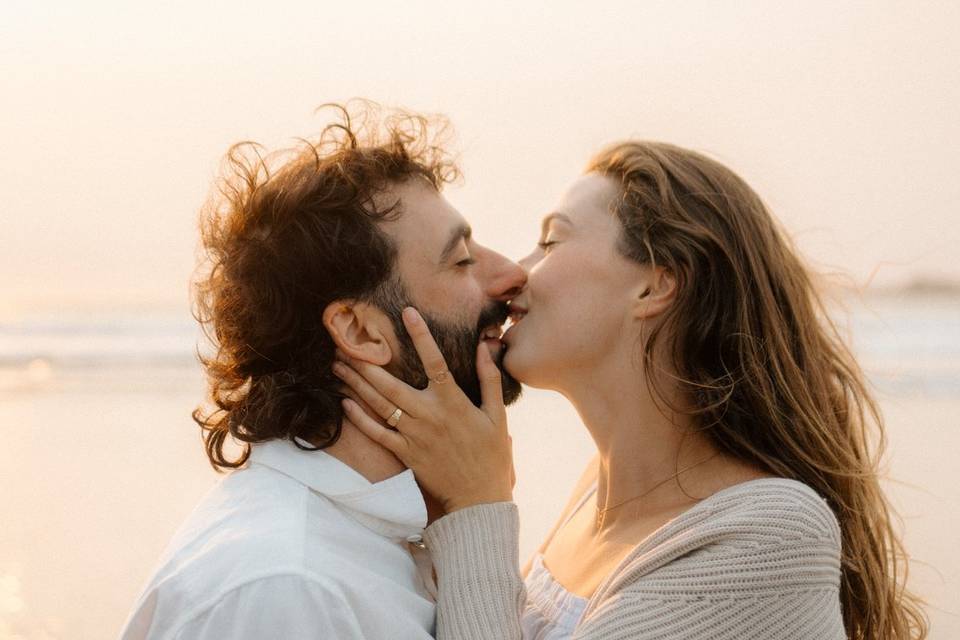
<point>758,536</point>
<point>773,513</point>
<point>780,506</point>
<point>758,553</point>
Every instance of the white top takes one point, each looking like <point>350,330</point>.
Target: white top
<point>294,545</point>
<point>550,612</point>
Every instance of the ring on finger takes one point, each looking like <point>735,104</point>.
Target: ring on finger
<point>394,418</point>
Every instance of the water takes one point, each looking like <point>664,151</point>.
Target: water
<point>100,460</point>
<point>907,345</point>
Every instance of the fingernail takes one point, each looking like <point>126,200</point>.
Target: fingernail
<point>347,404</point>
<point>411,315</point>
<point>338,367</point>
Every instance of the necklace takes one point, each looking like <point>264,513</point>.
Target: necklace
<point>602,513</point>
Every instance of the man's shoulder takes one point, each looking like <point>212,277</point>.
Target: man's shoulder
<point>254,518</point>
<point>248,531</point>
<point>169,608</point>
<point>246,508</point>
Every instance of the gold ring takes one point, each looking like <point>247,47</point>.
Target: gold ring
<point>394,418</point>
<point>441,377</point>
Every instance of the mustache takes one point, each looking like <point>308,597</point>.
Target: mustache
<point>494,313</point>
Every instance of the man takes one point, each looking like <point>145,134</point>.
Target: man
<point>316,531</point>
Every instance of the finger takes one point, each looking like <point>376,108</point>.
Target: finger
<point>383,436</point>
<point>380,405</point>
<point>434,364</point>
<point>491,386</point>
<point>398,393</point>
<point>350,393</point>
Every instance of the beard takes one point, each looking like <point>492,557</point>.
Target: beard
<point>458,344</point>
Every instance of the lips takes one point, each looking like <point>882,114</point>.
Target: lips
<point>491,336</point>
<point>493,332</point>
<point>492,320</point>
<point>517,312</point>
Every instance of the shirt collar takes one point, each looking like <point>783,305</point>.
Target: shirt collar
<point>393,507</point>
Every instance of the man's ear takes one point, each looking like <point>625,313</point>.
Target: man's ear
<point>357,329</point>
<point>655,293</point>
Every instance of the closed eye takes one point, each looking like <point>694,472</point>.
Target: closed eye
<point>546,245</point>
<point>466,262</point>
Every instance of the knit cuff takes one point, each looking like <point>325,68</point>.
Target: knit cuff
<point>475,554</point>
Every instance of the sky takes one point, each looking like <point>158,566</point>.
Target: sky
<point>115,115</point>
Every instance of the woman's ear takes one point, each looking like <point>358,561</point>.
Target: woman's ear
<point>358,329</point>
<point>655,293</point>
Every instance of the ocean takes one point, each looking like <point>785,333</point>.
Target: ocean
<point>100,460</point>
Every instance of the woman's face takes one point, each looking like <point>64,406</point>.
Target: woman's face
<point>576,310</point>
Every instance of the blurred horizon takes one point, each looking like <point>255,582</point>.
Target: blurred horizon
<point>907,339</point>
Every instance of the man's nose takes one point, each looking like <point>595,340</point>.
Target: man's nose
<point>505,278</point>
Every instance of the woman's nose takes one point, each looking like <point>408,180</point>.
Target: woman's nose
<point>527,262</point>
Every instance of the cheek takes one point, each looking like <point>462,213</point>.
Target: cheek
<point>453,300</point>
<point>575,291</point>
<point>574,317</point>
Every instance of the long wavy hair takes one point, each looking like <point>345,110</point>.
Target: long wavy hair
<point>763,366</point>
<point>287,234</point>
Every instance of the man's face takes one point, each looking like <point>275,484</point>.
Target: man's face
<point>460,287</point>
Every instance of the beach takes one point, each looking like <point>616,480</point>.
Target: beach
<point>101,460</point>
<point>125,125</point>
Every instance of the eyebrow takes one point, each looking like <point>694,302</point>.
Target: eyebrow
<point>458,233</point>
<point>556,215</point>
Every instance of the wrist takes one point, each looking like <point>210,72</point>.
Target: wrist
<point>489,497</point>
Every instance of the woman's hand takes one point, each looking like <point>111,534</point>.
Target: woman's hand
<point>459,454</point>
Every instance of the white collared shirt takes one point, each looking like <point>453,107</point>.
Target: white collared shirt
<point>295,544</point>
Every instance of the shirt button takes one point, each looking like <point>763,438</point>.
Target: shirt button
<point>416,541</point>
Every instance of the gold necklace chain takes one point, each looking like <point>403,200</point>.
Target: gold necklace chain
<point>602,513</point>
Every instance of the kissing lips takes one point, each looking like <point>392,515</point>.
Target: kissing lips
<point>491,337</point>
<point>491,327</point>
<point>517,313</point>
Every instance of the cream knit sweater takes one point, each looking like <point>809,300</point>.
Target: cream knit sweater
<point>759,559</point>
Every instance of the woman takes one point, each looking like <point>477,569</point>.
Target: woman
<point>734,493</point>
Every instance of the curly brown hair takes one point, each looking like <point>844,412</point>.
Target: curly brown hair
<point>286,235</point>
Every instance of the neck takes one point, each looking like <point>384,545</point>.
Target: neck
<point>363,455</point>
<point>640,442</point>
<point>373,461</point>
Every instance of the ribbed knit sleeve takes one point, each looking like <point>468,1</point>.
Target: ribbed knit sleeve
<point>475,555</point>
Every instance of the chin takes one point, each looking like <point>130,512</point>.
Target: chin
<point>528,366</point>
<point>519,367</point>
<point>511,388</point>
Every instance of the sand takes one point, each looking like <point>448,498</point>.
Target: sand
<point>96,479</point>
